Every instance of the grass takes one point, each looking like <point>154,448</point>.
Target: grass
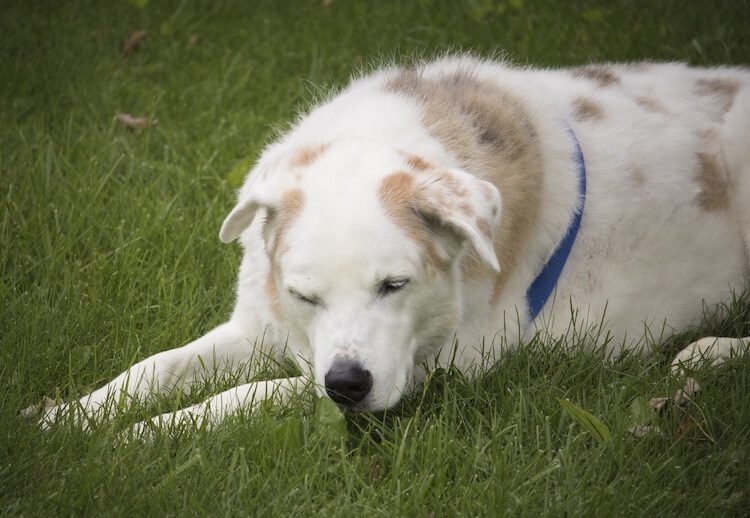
<point>110,254</point>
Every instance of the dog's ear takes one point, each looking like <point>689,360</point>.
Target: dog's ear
<point>464,203</point>
<point>262,188</point>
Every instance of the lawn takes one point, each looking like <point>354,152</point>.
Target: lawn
<point>110,253</point>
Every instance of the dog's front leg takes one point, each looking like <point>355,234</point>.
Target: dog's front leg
<point>222,349</point>
<point>215,409</point>
<point>709,350</point>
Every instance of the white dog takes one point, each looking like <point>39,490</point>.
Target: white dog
<point>443,212</point>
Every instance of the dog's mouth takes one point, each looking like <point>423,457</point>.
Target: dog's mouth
<point>361,409</point>
<point>353,408</point>
<point>350,405</point>
<point>367,406</point>
<point>346,405</point>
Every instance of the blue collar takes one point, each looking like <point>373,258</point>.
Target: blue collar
<point>542,287</point>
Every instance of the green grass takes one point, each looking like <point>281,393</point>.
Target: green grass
<point>110,254</point>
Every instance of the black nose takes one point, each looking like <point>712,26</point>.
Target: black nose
<point>348,383</point>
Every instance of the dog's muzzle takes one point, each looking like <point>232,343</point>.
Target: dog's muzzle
<point>347,383</point>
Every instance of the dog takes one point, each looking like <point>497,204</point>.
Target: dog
<point>447,210</point>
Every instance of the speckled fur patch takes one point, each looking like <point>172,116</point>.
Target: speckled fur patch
<point>587,110</point>
<point>712,177</point>
<point>489,131</point>
<point>601,75</point>
<point>306,155</point>
<point>721,90</point>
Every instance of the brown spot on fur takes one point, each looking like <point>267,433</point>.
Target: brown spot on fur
<point>279,221</point>
<point>416,162</point>
<point>488,196</point>
<point>722,90</point>
<point>484,227</point>
<point>274,231</point>
<point>397,194</point>
<point>650,104</point>
<point>292,202</point>
<point>453,185</point>
<point>490,133</point>
<point>713,180</point>
<point>638,177</point>
<point>396,190</point>
<point>716,86</point>
<point>587,110</point>
<point>602,75</point>
<point>307,155</point>
<point>467,209</point>
<point>708,135</point>
<point>272,293</point>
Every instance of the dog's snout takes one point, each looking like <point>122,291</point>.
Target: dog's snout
<point>348,383</point>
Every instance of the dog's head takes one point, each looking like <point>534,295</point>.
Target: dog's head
<point>364,245</point>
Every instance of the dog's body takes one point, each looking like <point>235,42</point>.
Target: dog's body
<point>417,206</point>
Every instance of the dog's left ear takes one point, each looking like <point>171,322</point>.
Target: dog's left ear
<point>463,202</point>
<point>261,189</point>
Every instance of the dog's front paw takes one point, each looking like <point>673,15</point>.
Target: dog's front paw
<point>44,414</point>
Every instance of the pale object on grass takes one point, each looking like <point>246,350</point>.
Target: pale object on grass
<point>133,122</point>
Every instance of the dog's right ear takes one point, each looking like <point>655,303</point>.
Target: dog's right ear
<point>261,189</point>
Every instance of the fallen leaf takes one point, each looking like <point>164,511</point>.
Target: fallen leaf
<point>135,123</point>
<point>641,412</point>
<point>658,404</point>
<point>192,41</point>
<point>133,42</point>
<point>589,421</point>
<point>642,415</point>
<point>683,399</point>
<point>690,423</point>
<point>329,420</point>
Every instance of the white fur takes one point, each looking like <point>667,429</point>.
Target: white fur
<point>646,252</point>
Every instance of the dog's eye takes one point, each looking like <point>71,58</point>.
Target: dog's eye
<point>389,286</point>
<point>313,301</point>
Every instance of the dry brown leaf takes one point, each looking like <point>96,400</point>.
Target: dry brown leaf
<point>683,398</point>
<point>135,123</point>
<point>192,41</point>
<point>133,42</point>
<point>690,423</point>
<point>658,404</point>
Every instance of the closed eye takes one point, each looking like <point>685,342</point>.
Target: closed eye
<point>312,300</point>
<point>389,286</point>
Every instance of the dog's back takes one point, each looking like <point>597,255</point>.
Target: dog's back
<point>665,225</point>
